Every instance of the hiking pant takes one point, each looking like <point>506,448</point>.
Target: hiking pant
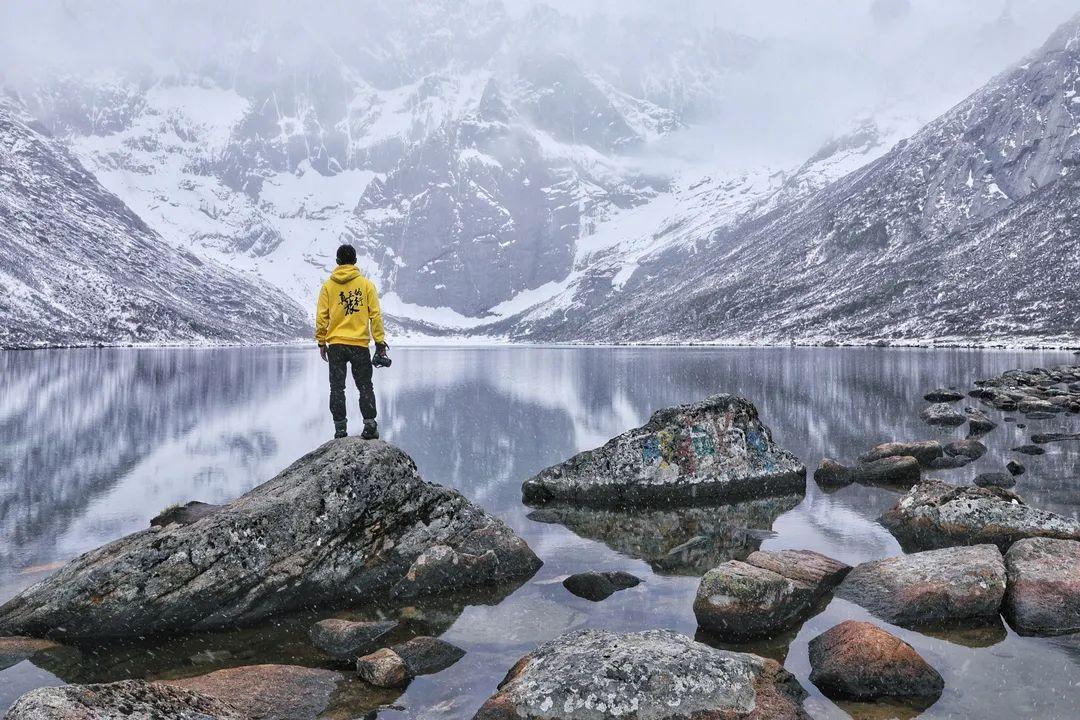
<point>360,358</point>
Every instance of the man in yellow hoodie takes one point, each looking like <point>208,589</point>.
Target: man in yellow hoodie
<point>347,319</point>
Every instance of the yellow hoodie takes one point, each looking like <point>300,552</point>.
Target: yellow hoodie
<point>348,303</point>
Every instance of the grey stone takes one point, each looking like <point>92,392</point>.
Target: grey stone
<point>1030,450</point>
<point>767,594</point>
<point>426,655</point>
<point>716,449</point>
<point>931,587</point>
<point>124,700</point>
<point>651,675</point>
<point>968,448</point>
<point>978,422</point>
<point>268,692</point>
<point>350,521</point>
<point>995,479</point>
<point>934,514</point>
<point>1043,597</point>
<point>950,462</point>
<point>383,668</point>
<point>925,451</point>
<point>832,474</point>
<point>1015,468</point>
<point>346,638</point>
<point>942,414</point>
<point>597,586</point>
<point>943,395</point>
<point>184,514</point>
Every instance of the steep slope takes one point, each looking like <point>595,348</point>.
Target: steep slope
<point>78,267</point>
<point>966,232</point>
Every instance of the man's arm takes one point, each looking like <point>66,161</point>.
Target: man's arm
<point>378,332</point>
<point>322,320</point>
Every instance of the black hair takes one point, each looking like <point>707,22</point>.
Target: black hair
<point>346,255</point>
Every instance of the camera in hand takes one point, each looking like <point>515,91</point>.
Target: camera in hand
<point>381,360</point>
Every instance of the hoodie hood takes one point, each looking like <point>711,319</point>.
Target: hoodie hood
<point>344,273</point>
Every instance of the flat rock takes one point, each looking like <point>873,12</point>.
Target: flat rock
<point>925,451</point>
<point>1030,450</point>
<point>935,514</point>
<point>995,479</point>
<point>348,639</point>
<point>351,521</point>
<point>1043,597</point>
<point>767,594</point>
<point>597,586</point>
<point>1043,438</point>
<point>717,449</point>
<point>1039,415</point>
<point>860,661</point>
<point>383,668</point>
<point>426,655</point>
<point>943,395</point>
<point>124,700</point>
<point>651,675</point>
<point>971,449</point>
<point>267,692</point>
<point>942,414</point>
<point>931,587</point>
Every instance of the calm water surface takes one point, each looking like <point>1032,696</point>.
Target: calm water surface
<point>95,443</point>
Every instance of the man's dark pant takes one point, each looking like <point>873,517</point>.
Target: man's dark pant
<point>360,359</point>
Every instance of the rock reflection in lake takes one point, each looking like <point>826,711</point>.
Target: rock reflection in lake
<point>677,541</point>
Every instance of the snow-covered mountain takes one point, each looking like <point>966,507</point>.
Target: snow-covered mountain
<point>78,267</point>
<point>967,231</point>
<point>504,174</point>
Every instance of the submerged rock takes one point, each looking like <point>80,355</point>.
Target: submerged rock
<point>351,521</point>
<point>122,700</point>
<point>931,587</point>
<point>942,414</point>
<point>860,661</point>
<point>652,675</point>
<point>769,593</point>
<point>1043,597</point>
<point>943,395</point>
<point>597,586</point>
<point>995,479</point>
<point>934,514</point>
<point>346,638</point>
<point>713,450</point>
<point>925,451</point>
<point>676,541</point>
<point>1043,438</point>
<point>1030,450</point>
<point>267,692</point>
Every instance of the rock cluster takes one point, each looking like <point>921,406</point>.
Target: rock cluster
<point>860,661</point>
<point>931,587</point>
<point>767,594</point>
<point>396,665</point>
<point>652,675</point>
<point>935,514</point>
<point>351,521</point>
<point>1029,391</point>
<point>716,449</point>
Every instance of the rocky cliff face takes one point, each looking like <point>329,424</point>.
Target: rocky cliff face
<point>78,266</point>
<point>967,231</point>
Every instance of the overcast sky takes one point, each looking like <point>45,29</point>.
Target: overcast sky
<point>826,61</point>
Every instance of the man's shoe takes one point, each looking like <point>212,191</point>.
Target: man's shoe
<point>339,430</point>
<point>371,430</point>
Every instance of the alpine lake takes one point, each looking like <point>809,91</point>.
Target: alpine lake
<point>96,442</point>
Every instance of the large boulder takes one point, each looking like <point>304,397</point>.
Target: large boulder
<point>351,521</point>
<point>935,514</point>
<point>767,594</point>
<point>860,661</point>
<point>713,450</point>
<point>124,700</point>
<point>932,587</point>
<point>1043,597</point>
<point>652,675</point>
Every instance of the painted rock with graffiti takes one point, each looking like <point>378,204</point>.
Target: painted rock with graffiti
<point>714,450</point>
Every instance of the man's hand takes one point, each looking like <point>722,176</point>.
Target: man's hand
<point>322,353</point>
